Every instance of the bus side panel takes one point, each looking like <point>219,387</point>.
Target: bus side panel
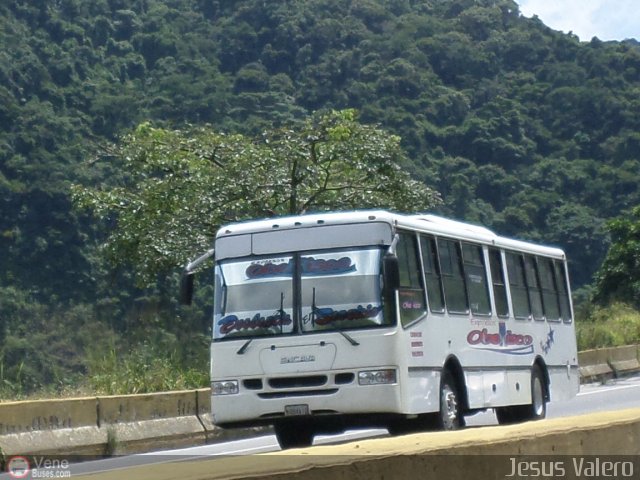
<point>422,391</point>
<point>474,380</point>
<point>565,383</point>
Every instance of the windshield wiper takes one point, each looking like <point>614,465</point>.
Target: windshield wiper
<point>349,338</point>
<point>314,309</point>
<point>244,347</point>
<point>281,312</point>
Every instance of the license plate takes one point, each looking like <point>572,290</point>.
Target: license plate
<point>290,410</point>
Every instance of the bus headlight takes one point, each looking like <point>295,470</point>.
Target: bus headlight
<point>226,387</point>
<point>377,377</point>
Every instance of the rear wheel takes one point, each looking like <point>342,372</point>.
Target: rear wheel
<point>508,415</point>
<point>294,434</point>
<point>538,407</point>
<point>536,410</point>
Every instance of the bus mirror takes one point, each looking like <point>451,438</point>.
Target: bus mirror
<point>186,282</point>
<point>186,288</point>
<point>391,271</point>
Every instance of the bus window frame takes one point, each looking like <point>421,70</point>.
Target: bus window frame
<point>518,256</point>
<point>555,291</point>
<point>483,265</point>
<point>460,266</point>
<point>404,234</point>
<point>534,290</point>
<point>437,271</point>
<point>505,282</point>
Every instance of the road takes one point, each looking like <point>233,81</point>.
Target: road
<point>615,395</point>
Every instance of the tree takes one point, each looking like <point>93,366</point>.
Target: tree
<point>619,276</point>
<point>182,185</point>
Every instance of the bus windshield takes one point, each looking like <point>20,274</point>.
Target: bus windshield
<point>298,293</point>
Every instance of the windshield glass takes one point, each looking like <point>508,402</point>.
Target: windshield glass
<point>336,290</point>
<point>341,290</point>
<point>256,297</point>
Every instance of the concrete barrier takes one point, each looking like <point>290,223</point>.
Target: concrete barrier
<point>101,425</point>
<point>605,363</point>
<point>624,360</point>
<point>44,426</point>
<point>156,420</point>
<point>107,425</point>
<point>484,453</point>
<point>594,365</point>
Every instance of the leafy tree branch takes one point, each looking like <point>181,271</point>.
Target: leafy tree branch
<point>181,185</point>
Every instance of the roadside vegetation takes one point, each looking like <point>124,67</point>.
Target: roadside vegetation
<point>611,326</point>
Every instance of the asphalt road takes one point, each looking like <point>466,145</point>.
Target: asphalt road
<point>615,395</point>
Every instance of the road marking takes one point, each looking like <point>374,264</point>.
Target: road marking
<point>608,390</point>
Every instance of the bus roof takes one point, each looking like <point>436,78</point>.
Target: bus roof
<point>426,223</point>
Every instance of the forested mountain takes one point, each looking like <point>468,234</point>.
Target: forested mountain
<point>521,128</point>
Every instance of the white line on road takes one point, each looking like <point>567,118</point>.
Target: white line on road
<point>608,390</point>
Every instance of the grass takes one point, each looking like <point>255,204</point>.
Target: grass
<point>612,326</point>
<point>142,371</point>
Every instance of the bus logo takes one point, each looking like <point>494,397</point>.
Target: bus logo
<point>503,341</point>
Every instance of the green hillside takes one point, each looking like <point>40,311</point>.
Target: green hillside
<point>519,127</point>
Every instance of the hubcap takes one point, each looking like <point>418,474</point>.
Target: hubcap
<point>450,408</point>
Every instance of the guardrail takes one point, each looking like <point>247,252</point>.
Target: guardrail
<point>105,425</point>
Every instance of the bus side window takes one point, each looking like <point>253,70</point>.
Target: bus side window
<point>410,293</point>
<point>535,294</point>
<point>563,289</point>
<point>499,287</point>
<point>432,273</point>
<point>455,293</point>
<point>518,286</point>
<point>476,278</point>
<point>549,290</point>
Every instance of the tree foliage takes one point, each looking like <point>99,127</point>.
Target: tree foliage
<point>522,128</point>
<point>618,279</point>
<point>181,185</point>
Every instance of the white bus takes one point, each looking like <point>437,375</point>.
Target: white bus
<point>337,320</point>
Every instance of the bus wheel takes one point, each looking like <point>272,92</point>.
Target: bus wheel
<point>450,416</point>
<point>507,415</point>
<point>536,410</point>
<point>538,407</point>
<point>294,434</point>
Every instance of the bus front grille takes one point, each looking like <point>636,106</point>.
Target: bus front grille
<point>298,382</point>
<point>298,393</point>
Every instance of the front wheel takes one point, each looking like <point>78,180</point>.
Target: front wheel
<point>450,415</point>
<point>294,434</point>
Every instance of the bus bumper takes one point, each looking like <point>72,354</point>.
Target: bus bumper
<point>255,408</point>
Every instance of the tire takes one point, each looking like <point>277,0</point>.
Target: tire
<point>294,435</point>
<point>508,415</point>
<point>402,427</point>
<point>536,410</point>
<point>450,415</point>
<point>538,407</point>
